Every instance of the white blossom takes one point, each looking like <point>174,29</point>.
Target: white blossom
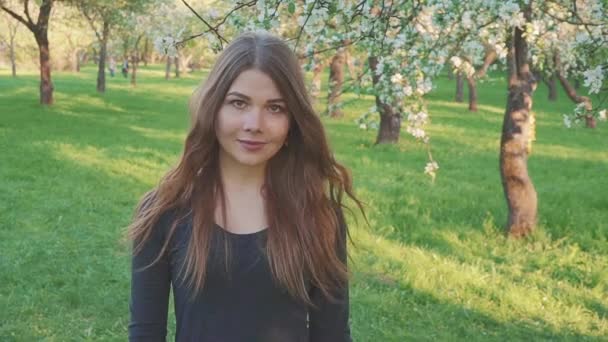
<point>397,78</point>
<point>456,61</point>
<point>593,79</point>
<point>166,45</point>
<point>567,121</point>
<point>602,115</point>
<point>431,168</point>
<point>407,90</point>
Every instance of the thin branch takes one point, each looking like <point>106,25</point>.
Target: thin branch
<point>91,23</point>
<point>570,91</point>
<point>26,10</point>
<point>29,25</point>
<point>303,25</point>
<point>211,28</point>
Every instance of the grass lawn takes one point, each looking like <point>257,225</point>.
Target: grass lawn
<point>432,265</point>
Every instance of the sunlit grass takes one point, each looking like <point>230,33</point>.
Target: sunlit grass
<point>432,265</point>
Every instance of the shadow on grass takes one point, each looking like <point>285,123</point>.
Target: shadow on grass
<point>382,302</point>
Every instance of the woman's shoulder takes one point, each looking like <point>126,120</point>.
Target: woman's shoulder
<point>166,217</point>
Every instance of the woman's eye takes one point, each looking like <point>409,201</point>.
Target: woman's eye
<point>238,104</point>
<point>275,109</point>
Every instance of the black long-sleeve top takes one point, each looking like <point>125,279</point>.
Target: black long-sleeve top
<point>245,305</point>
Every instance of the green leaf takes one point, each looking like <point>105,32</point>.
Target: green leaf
<point>291,8</point>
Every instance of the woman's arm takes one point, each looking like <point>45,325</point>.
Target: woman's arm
<point>150,289</point>
<point>329,320</point>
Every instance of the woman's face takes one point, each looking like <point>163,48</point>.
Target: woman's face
<point>253,121</point>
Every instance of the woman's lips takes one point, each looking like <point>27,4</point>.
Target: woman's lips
<point>251,146</point>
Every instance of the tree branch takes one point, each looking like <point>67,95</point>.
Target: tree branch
<point>302,28</point>
<point>576,98</point>
<point>211,28</point>
<point>91,23</point>
<point>29,25</point>
<point>26,10</point>
<point>489,58</point>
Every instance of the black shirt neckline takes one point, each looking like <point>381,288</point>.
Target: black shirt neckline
<point>241,235</point>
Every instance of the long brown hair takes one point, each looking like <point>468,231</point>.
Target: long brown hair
<point>303,186</point>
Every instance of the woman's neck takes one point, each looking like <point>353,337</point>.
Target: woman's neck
<point>239,177</point>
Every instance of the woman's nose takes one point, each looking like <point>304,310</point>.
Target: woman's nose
<point>253,119</point>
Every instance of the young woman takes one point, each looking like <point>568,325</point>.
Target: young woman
<point>248,227</point>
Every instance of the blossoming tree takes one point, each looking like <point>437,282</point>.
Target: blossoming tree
<point>407,43</point>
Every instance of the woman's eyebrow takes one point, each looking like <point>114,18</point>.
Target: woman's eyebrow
<point>241,95</point>
<point>236,93</point>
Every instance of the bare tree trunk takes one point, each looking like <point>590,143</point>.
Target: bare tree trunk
<point>186,63</point>
<point>95,56</point>
<point>46,84</point>
<point>135,61</point>
<point>459,87</point>
<point>390,118</point>
<point>101,70</point>
<point>517,127</point>
<point>145,56</point>
<point>336,81</point>
<point>348,58</point>
<point>571,92</point>
<point>550,82</point>
<point>11,48</point>
<point>85,58</point>
<point>472,85</point>
<point>168,67</point>
<point>177,61</point>
<point>74,60</point>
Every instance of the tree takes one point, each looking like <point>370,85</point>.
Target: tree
<point>537,25</point>
<point>40,30</point>
<point>9,41</point>
<point>407,44</point>
<point>336,82</point>
<point>103,16</point>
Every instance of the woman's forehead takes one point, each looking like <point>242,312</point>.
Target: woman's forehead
<point>255,84</point>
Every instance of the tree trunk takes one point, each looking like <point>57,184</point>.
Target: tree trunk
<point>85,58</point>
<point>176,59</point>
<point>168,67</point>
<point>46,84</point>
<point>134,62</point>
<point>390,118</point>
<point>315,86</point>
<point>472,85</point>
<point>75,67</point>
<point>12,55</point>
<point>101,70</point>
<point>78,61</point>
<point>95,56</point>
<point>186,63</point>
<point>146,52</point>
<point>519,191</point>
<point>336,80</point>
<point>459,87</point>
<point>348,58</point>
<point>552,88</point>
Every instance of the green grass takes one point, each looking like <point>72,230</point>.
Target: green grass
<point>433,264</point>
